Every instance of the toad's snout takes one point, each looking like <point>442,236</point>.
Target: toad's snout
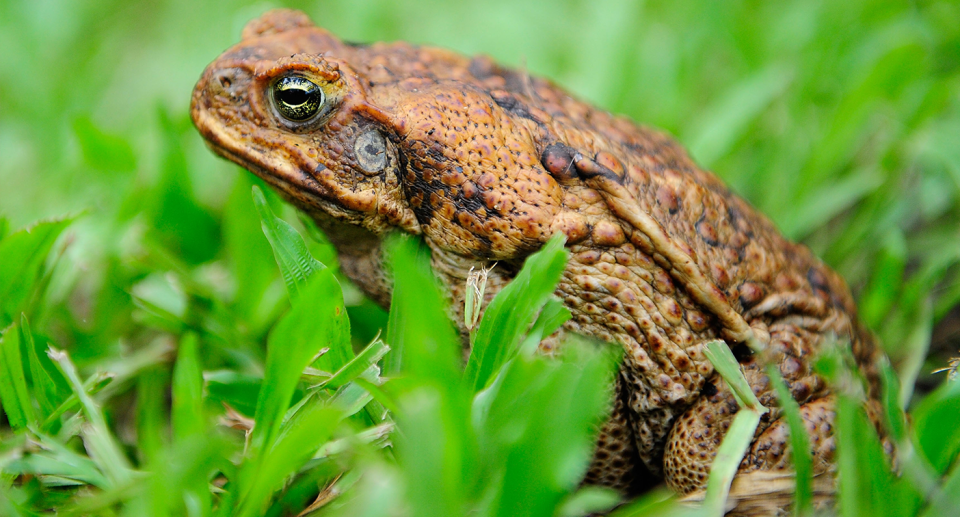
<point>222,88</point>
<point>229,82</point>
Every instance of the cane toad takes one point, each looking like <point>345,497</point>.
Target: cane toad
<point>486,164</point>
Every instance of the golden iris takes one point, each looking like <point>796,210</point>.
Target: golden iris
<point>297,98</point>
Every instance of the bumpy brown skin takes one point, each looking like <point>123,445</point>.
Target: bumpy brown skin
<point>486,163</point>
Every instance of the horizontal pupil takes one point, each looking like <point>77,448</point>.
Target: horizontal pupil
<point>294,97</point>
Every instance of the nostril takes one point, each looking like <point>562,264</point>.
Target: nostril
<point>229,82</point>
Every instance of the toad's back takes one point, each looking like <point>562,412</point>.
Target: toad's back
<point>487,163</point>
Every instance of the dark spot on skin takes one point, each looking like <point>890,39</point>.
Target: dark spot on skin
<point>709,390</point>
<point>707,232</point>
<point>817,279</point>
<point>697,320</point>
<point>588,168</point>
<point>471,203</point>
<point>512,105</point>
<point>742,352</point>
<point>558,158</point>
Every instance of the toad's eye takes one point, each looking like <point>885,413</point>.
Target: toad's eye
<point>297,98</point>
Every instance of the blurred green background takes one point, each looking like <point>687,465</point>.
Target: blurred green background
<point>839,120</point>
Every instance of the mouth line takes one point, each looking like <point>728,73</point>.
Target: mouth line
<point>294,182</point>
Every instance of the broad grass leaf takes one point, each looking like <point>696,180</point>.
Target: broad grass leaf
<point>865,484</point>
<point>431,451</point>
<point>378,492</point>
<point>539,435</point>
<point>948,499</point>
<point>419,331</point>
<point>49,387</point>
<point>935,422</point>
<point>14,393</point>
<point>437,446</point>
<point>317,320</point>
<point>258,296</point>
<point>152,424</point>
<point>800,453</point>
<point>512,311</point>
<point>22,257</point>
<point>296,263</point>
<point>291,451</point>
<point>179,482</point>
<point>186,413</point>
<point>552,316</point>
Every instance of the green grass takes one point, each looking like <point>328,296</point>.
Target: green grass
<point>152,310</point>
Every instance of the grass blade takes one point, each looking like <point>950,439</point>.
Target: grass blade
<point>727,366</point>
<point>187,412</point>
<point>297,445</point>
<point>865,484</point>
<point>22,257</point>
<point>540,428</point>
<point>13,381</point>
<point>47,381</point>
<point>729,455</point>
<point>935,423</point>
<point>104,450</point>
<point>295,261</point>
<point>419,332</point>
<point>317,320</point>
<point>739,435</point>
<point>799,444</point>
<point>58,460</point>
<point>359,364</point>
<point>512,311</point>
